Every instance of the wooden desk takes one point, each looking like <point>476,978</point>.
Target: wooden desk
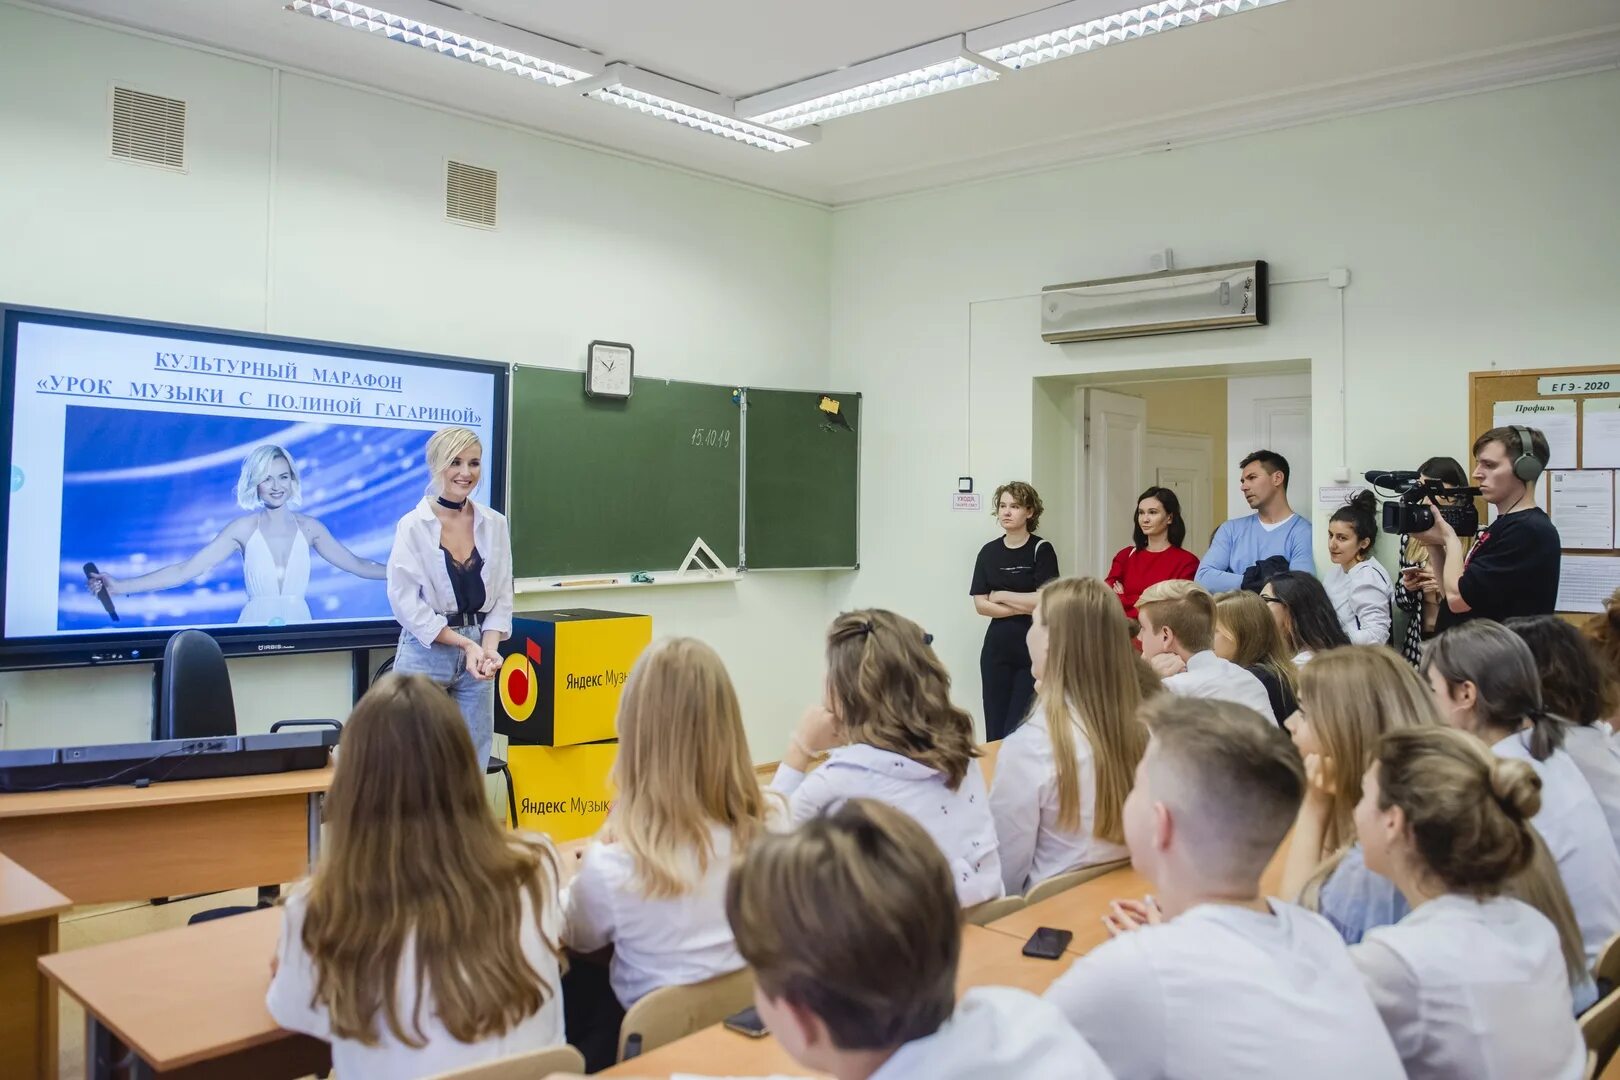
<point>98,845</point>
<point>1080,910</point>
<point>28,910</point>
<point>188,1002</point>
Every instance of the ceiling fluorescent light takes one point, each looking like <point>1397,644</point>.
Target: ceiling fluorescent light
<point>903,76</point>
<point>1083,25</point>
<point>461,36</point>
<point>642,91</point>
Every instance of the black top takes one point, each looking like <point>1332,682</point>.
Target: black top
<point>1512,570</point>
<point>467,579</point>
<point>1283,702</point>
<point>1000,568</point>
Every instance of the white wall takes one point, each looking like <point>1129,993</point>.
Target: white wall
<point>1480,232</point>
<point>338,233</point>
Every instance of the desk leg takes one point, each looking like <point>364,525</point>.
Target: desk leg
<point>314,813</point>
<point>107,1058</point>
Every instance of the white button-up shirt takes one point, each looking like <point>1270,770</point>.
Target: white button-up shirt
<point>1224,991</point>
<point>997,1031</point>
<point>1577,835</point>
<point>1208,676</point>
<point>1024,802</point>
<point>1474,988</point>
<point>419,588</point>
<point>1592,748</point>
<point>959,821</point>
<point>1361,599</point>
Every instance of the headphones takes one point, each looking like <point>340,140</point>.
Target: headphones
<point>1527,466</point>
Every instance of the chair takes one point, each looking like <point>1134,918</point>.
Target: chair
<point>991,910</point>
<point>1591,1066</point>
<point>531,1066</point>
<point>1600,1027</point>
<point>673,1012</point>
<point>1054,885</point>
<point>194,690</point>
<point>1607,971</point>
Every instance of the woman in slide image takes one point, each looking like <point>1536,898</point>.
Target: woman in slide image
<point>428,938</point>
<point>1304,614</point>
<point>1417,593</point>
<point>1473,982</point>
<point>1485,682</point>
<point>274,539</point>
<point>1348,699</point>
<point>1356,583</point>
<point>1062,777</point>
<point>1247,635</point>
<point>652,884</point>
<point>892,734</point>
<point>450,583</point>
<point>1006,575</point>
<point>1155,553</point>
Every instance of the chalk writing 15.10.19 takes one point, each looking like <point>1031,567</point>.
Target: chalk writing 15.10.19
<point>718,438</point>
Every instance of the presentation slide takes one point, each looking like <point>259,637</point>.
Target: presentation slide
<point>161,481</point>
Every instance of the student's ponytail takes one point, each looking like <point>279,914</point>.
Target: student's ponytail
<point>1506,682</point>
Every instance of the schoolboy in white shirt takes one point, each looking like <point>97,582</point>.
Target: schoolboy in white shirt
<point>1178,639</point>
<point>1212,979</point>
<point>852,927</point>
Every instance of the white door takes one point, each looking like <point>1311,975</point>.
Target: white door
<point>1112,471</point>
<point>1271,412</point>
<point>1184,463</point>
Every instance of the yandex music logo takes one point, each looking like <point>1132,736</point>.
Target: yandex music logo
<point>520,688</point>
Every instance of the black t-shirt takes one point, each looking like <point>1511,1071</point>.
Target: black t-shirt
<point>1000,568</point>
<point>1511,570</point>
<point>1283,702</point>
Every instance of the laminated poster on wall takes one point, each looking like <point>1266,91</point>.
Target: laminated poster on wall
<point>1583,508</point>
<point>1600,433</point>
<point>1555,419</point>
<point>1585,582</point>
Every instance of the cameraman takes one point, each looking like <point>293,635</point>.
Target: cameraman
<point>1513,567</point>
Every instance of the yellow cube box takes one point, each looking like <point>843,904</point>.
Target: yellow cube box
<point>559,685</point>
<point>562,791</point>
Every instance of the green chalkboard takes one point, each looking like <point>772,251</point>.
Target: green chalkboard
<point>602,486</point>
<point>802,480</point>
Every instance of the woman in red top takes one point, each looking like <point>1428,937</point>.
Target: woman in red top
<point>1157,554</point>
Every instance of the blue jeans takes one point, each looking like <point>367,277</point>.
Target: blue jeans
<point>447,666</point>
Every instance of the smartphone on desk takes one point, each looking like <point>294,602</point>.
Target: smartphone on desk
<point>1047,943</point>
<point>748,1023</point>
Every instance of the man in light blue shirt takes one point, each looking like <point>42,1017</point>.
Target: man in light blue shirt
<point>1272,531</point>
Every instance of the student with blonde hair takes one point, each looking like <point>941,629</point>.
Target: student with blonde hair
<point>1062,777</point>
<point>1247,635</point>
<point>1473,982</point>
<point>1211,979</point>
<point>1178,638</point>
<point>1348,699</point>
<point>427,939</point>
<point>1485,682</point>
<point>853,931</point>
<point>894,736</point>
<point>687,804</point>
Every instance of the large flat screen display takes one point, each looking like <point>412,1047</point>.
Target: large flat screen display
<point>166,477</point>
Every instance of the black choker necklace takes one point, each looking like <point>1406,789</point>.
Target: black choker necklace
<point>448,505</point>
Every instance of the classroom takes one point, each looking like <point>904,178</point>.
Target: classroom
<point>880,400</point>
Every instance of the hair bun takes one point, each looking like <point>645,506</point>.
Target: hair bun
<point>1516,787</point>
<point>1364,500</point>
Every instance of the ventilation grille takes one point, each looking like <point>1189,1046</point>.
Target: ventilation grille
<point>469,195</point>
<point>148,128</point>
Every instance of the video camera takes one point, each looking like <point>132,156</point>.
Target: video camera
<point>1410,511</point>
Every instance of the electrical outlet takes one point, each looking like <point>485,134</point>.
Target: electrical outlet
<point>1161,260</point>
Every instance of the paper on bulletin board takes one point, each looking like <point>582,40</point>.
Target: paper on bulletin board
<point>1600,433</point>
<point>1583,508</point>
<point>1585,582</point>
<point>1555,419</point>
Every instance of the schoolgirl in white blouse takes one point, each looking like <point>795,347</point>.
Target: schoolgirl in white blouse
<point>893,735</point>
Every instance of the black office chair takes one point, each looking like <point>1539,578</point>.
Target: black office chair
<point>194,690</point>
<point>493,765</point>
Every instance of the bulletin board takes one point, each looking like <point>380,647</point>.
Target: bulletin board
<point>1579,410</point>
